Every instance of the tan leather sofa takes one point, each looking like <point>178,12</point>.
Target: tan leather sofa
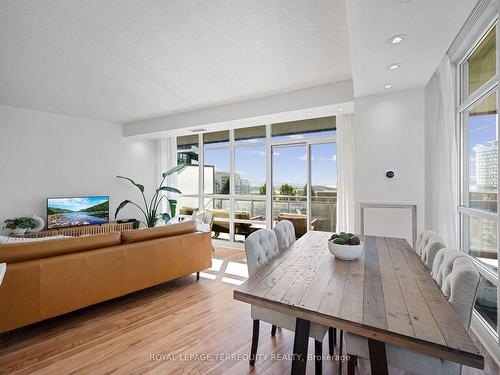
<point>49,278</point>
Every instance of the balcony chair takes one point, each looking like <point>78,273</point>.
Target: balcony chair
<point>205,217</point>
<point>220,226</point>
<point>261,247</point>
<point>459,280</point>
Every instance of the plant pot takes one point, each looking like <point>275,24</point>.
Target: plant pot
<point>345,252</point>
<point>19,231</point>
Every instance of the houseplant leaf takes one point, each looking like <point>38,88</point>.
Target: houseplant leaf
<point>172,170</point>
<point>139,186</point>
<point>123,204</point>
<point>169,189</point>
<point>165,217</point>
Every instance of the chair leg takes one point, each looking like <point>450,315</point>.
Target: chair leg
<point>332,340</point>
<point>340,350</point>
<point>197,275</point>
<point>351,364</point>
<point>318,354</point>
<point>273,330</point>
<point>255,341</point>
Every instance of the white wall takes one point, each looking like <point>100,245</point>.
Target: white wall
<point>289,106</point>
<point>389,134</point>
<point>49,155</point>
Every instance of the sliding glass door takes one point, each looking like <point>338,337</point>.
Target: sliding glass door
<point>289,189</point>
<point>251,177</point>
<point>304,185</point>
<point>323,186</point>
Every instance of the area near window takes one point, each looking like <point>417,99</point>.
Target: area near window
<point>478,124</point>
<point>292,165</point>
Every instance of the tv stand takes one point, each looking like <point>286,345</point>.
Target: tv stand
<point>81,230</point>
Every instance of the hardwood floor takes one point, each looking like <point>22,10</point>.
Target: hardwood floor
<point>175,320</point>
<point>178,319</point>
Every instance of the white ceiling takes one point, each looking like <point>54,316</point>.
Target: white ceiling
<point>128,60</point>
<point>430,27</point>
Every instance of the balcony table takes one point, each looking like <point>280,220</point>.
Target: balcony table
<point>386,296</point>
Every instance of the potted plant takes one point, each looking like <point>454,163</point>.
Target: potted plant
<point>151,210</point>
<point>20,225</point>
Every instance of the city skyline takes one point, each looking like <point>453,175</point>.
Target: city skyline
<point>482,137</point>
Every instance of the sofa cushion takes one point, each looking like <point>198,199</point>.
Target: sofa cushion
<point>19,252</point>
<point>137,235</point>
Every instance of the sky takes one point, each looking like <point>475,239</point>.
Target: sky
<point>75,204</point>
<point>289,164</point>
<point>482,131</point>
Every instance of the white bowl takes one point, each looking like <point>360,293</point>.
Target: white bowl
<point>345,252</point>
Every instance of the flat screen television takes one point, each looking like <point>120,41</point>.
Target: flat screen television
<point>76,211</point>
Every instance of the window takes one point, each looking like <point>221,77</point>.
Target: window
<point>221,210</point>
<point>250,170</point>
<point>481,64</point>
<point>216,138</point>
<point>250,135</point>
<point>482,138</point>
<point>478,124</point>
<point>187,142</point>
<point>290,183</point>
<point>216,172</point>
<point>188,180</point>
<point>229,172</point>
<point>324,187</point>
<point>296,130</point>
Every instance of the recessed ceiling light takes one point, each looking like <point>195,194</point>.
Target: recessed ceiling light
<point>394,66</point>
<point>388,86</point>
<point>404,1</point>
<point>341,109</point>
<point>396,39</point>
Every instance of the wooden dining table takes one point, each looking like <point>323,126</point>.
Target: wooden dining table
<point>386,295</point>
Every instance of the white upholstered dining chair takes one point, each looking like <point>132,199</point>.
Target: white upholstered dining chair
<point>429,251</point>
<point>422,239</point>
<point>260,248</point>
<point>285,234</point>
<point>458,279</point>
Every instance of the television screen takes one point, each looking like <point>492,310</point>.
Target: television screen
<point>70,212</point>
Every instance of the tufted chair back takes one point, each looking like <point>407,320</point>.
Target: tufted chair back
<point>455,273</point>
<point>285,234</point>
<point>442,264</point>
<point>434,244</point>
<point>422,239</point>
<point>260,247</point>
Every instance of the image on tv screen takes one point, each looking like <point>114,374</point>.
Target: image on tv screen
<point>70,212</point>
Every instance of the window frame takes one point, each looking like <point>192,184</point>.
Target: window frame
<point>464,103</point>
<point>268,144</point>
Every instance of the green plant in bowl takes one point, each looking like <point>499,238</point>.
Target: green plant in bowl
<point>345,246</point>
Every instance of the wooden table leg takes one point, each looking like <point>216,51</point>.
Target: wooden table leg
<point>378,357</point>
<point>300,343</point>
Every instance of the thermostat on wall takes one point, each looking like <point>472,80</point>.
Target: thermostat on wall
<point>389,174</point>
